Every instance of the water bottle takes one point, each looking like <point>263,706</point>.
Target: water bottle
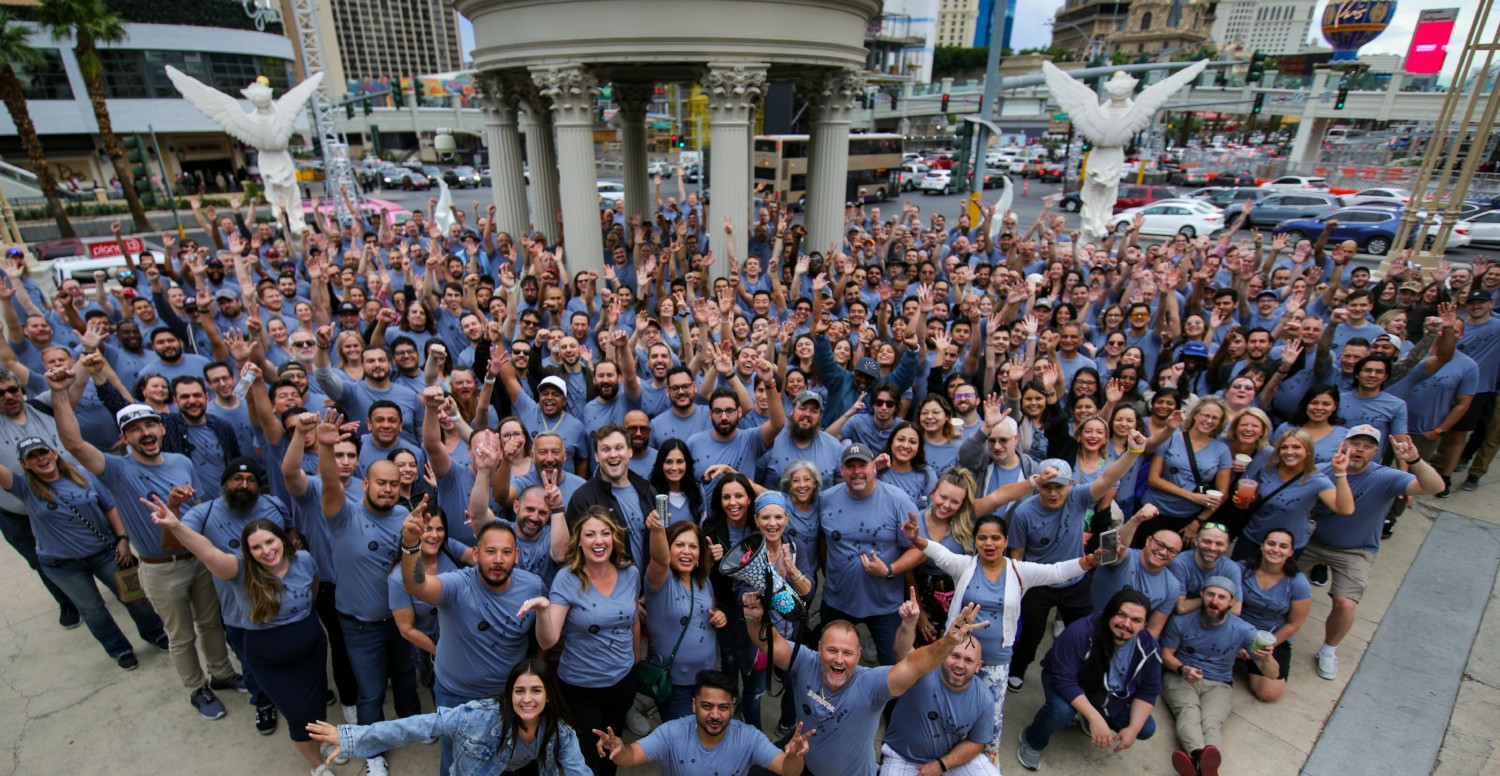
<point>243,386</point>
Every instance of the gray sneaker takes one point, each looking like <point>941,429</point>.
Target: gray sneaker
<point>1030,759</point>
<point>1328,664</point>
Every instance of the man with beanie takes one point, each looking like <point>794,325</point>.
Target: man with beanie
<point>1198,650</point>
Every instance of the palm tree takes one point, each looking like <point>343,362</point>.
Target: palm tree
<point>15,51</point>
<point>90,23</point>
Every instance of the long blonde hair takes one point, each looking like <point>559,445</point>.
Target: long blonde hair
<point>962,524</point>
<point>618,555</point>
<point>1309,461</point>
<point>261,583</point>
<point>43,489</point>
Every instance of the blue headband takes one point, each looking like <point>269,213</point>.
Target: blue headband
<point>773,498</point>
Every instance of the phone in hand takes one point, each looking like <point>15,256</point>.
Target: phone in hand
<point>1109,541</point>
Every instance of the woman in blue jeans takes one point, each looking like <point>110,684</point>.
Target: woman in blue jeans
<point>1104,670</point>
<point>79,538</point>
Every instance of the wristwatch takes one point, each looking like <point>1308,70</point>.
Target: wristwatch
<point>890,572</point>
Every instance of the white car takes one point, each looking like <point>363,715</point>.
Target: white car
<point>664,169</point>
<point>937,180</point>
<point>1173,216</point>
<point>1379,196</point>
<point>610,193</point>
<point>1297,183</point>
<point>1481,229</point>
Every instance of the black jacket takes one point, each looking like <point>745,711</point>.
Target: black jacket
<point>597,492</point>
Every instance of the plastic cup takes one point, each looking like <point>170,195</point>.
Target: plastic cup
<point>1242,459</point>
<point>1217,495</point>
<point>1244,492</point>
<point>1263,640</point>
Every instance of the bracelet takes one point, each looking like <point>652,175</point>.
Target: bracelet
<point>1135,452</point>
<point>411,550</point>
<point>1337,475</point>
<point>121,538</point>
<point>942,765</point>
<point>489,381</point>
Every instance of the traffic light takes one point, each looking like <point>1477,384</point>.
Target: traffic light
<point>1087,145</point>
<point>1260,101</point>
<point>349,111</point>
<point>682,142</point>
<point>369,105</point>
<point>981,104</point>
<point>945,104</point>
<point>140,168</point>
<point>674,142</point>
<point>398,96</point>
<point>416,88</point>
<point>1257,69</point>
<point>1338,102</point>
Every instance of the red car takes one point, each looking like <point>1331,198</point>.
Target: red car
<point>1140,196</point>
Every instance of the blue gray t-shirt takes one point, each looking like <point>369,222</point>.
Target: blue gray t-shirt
<point>1269,609</point>
<point>223,527</point>
<point>72,523</point>
<point>1051,535</point>
<point>675,747</point>
<point>932,718</point>
<point>852,527</point>
<point>667,614</point>
<point>1429,398</point>
<point>824,451</point>
<point>1185,568</point>
<point>1210,650</point>
<point>1162,587</point>
<point>130,480</point>
<point>424,615</point>
<point>599,649</point>
<point>296,594</point>
<point>990,595</point>
<point>669,425</point>
<point>1374,489</point>
<point>1177,470</point>
<point>482,637</point>
<point>845,720</point>
<point>365,546</point>
<point>1288,509</point>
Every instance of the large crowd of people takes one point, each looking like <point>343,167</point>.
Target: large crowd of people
<point>440,460</point>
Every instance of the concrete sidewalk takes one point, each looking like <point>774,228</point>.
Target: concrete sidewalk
<point>66,708</point>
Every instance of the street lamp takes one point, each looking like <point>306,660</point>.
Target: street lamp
<point>263,12</point>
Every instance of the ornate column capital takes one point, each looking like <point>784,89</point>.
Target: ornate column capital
<point>571,91</point>
<point>832,89</point>
<point>634,99</point>
<point>497,93</point>
<point>734,90</point>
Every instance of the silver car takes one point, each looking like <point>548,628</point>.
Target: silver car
<point>1282,206</point>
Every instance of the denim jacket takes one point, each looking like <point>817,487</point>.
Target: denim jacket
<point>475,730</point>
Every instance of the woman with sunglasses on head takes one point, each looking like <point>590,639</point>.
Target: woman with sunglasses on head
<point>1274,597</point>
<point>527,727</point>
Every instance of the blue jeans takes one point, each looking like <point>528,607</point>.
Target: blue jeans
<point>446,699</point>
<point>882,630</point>
<point>74,578</point>
<point>379,655</point>
<point>236,638</point>
<point>1056,713</point>
<point>679,705</point>
<point>16,528</point>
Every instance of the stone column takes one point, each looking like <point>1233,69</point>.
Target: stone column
<point>830,99</point>
<point>733,91</point>
<point>541,157</point>
<point>502,140</point>
<point>570,88</point>
<point>634,99</point>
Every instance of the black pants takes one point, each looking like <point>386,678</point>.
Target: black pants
<point>1072,603</point>
<point>343,673</point>
<point>16,528</point>
<point>598,708</point>
<point>288,660</point>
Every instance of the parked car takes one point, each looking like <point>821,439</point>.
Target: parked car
<point>610,192</point>
<point>462,176</point>
<point>1137,196</point>
<point>1189,217</point>
<point>412,180</point>
<point>912,174</point>
<point>1234,196</point>
<point>664,169</point>
<point>691,174</point>
<point>1297,183</point>
<point>1196,176</point>
<point>1281,206</point>
<point>1482,229</point>
<point>433,173</point>
<point>484,177</point>
<point>1384,196</point>
<point>1071,202</point>
<point>1051,172</point>
<point>1373,229</point>
<point>937,181</point>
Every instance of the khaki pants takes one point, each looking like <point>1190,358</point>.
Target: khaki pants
<point>1200,710</point>
<point>183,594</point>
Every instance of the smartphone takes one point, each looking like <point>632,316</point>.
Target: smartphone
<point>1109,541</point>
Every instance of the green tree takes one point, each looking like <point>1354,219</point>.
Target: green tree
<point>90,23</point>
<point>16,51</point>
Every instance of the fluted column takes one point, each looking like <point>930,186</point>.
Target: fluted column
<point>830,99</point>
<point>634,99</point>
<point>733,92</point>
<point>541,154</point>
<point>502,139</point>
<point>570,88</point>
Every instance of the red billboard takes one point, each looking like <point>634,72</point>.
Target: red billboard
<point>1429,42</point>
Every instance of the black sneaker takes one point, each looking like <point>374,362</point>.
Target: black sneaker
<point>127,661</point>
<point>265,720</point>
<point>1388,528</point>
<point>1446,491</point>
<point>164,644</point>
<point>1470,483</point>
<point>207,704</point>
<point>331,699</point>
<point>68,617</point>
<point>234,682</point>
<point>1319,575</point>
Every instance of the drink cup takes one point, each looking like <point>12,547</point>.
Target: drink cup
<point>1263,639</point>
<point>1244,492</point>
<point>1216,495</point>
<point>1241,462</point>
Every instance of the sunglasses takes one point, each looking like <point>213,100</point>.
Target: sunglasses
<point>883,403</point>
<point>1219,526</point>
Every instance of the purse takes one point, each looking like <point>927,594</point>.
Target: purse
<point>653,676</point>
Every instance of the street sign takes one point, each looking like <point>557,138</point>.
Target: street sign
<point>1060,117</point>
<point>1060,127</point>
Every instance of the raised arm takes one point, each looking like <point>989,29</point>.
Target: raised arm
<point>88,456</point>
<point>926,660</point>
<point>327,434</point>
<point>413,573</point>
<point>221,564</point>
<point>296,449</point>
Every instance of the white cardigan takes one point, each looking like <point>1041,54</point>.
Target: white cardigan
<point>1022,577</point>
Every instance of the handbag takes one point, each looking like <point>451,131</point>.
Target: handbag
<point>653,676</point>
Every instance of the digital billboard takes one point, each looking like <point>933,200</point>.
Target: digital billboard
<point>1429,42</point>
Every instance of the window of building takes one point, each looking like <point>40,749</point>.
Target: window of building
<point>1145,21</point>
<point>49,81</point>
<point>141,74</point>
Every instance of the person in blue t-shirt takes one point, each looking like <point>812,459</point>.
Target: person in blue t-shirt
<point>946,720</point>
<point>711,742</point>
<point>1290,485</point>
<point>1145,570</point>
<point>1276,599</point>
<point>1198,650</point>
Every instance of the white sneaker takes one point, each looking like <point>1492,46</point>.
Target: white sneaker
<point>351,715</point>
<point>321,770</point>
<point>327,749</point>
<point>1328,664</point>
<point>1057,628</point>
<point>638,723</point>
<point>375,766</point>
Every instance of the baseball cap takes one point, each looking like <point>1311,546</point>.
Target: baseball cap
<point>1043,302</point>
<point>1223,583</point>
<point>33,444</point>
<point>809,396</point>
<point>241,465</point>
<point>1393,339</point>
<point>346,308</point>
<point>1479,296</point>
<point>226,293</point>
<point>554,381</point>
<point>214,261</point>
<point>867,366</point>
<point>1194,348</point>
<point>1412,286</point>
<point>1268,292</point>
<point>858,452</point>
<point>1064,471</point>
<point>1364,429</point>
<point>130,413</point>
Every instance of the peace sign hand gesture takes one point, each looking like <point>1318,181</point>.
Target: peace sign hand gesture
<point>798,746</point>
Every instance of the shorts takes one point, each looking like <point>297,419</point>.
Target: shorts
<point>1479,409</point>
<point>1350,569</point>
<point>1283,654</point>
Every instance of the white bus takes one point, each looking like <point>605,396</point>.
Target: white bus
<point>874,166</point>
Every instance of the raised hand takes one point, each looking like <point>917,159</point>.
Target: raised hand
<point>910,609</point>
<point>161,513</point>
<point>797,746</point>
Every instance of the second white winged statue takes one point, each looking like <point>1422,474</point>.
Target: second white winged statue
<point>1109,126</point>
<point>267,129</point>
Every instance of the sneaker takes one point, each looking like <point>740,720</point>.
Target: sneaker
<point>1057,627</point>
<point>1083,725</point>
<point>321,770</point>
<point>1471,483</point>
<point>1328,664</point>
<point>127,661</point>
<point>1015,683</point>
<point>265,720</point>
<point>1319,575</point>
<point>1209,760</point>
<point>1183,763</point>
<point>234,682</point>
<point>375,766</point>
<point>1445,492</point>
<point>327,749</point>
<point>330,699</point>
<point>638,723</point>
<point>164,644</point>
<point>68,617</point>
<point>1387,528</point>
<point>1030,759</point>
<point>351,715</point>
<point>207,704</point>
<point>1464,464</point>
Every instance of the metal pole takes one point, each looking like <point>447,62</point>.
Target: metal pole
<point>166,180</point>
<point>991,97</point>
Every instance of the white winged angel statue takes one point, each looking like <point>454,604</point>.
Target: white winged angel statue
<point>267,129</point>
<point>1108,126</point>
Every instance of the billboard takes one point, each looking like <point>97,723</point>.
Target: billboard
<point>1429,42</point>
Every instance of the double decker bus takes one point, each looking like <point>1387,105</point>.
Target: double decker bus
<point>781,164</point>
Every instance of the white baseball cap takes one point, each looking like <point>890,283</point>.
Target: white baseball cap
<point>130,413</point>
<point>554,381</point>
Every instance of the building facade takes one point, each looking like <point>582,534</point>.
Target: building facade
<point>956,22</point>
<point>1271,28</point>
<point>1085,26</point>
<point>1161,28</point>
<point>390,38</point>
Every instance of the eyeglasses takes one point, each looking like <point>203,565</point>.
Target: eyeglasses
<point>723,412</point>
<point>997,441</point>
<point>637,429</point>
<point>965,395</point>
<point>14,390</point>
<point>520,351</point>
<point>302,343</point>
<point>1164,546</point>
<point>679,388</point>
